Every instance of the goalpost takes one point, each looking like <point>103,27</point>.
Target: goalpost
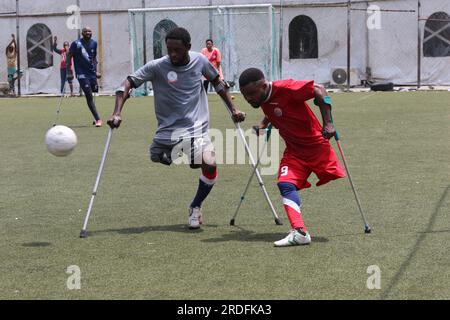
<point>246,35</point>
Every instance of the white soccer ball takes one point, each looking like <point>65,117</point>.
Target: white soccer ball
<point>60,140</point>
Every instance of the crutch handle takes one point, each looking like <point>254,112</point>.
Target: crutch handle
<point>337,136</point>
<point>256,129</point>
<point>269,131</point>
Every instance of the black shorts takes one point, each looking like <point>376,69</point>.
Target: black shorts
<point>192,147</point>
<point>88,85</point>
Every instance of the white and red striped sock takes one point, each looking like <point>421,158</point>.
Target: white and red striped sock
<point>294,214</point>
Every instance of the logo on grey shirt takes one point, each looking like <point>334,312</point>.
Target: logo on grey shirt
<point>172,76</point>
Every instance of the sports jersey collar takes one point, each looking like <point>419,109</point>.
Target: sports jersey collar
<point>82,40</point>
<point>270,92</point>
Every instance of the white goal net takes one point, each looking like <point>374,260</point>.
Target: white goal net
<point>246,35</point>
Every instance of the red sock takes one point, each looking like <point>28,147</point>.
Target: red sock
<point>294,214</point>
<point>210,175</point>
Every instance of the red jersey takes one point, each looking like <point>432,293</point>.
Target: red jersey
<point>287,110</point>
<point>63,52</point>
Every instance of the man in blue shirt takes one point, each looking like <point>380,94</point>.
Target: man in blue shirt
<point>84,53</point>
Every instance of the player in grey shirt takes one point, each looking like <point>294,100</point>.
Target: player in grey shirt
<point>181,107</point>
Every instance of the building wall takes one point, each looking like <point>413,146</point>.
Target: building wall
<point>391,53</point>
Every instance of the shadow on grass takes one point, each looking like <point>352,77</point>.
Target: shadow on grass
<point>235,235</point>
<point>251,236</point>
<point>435,231</point>
<point>36,244</point>
<point>78,126</point>
<point>416,247</point>
<point>137,230</point>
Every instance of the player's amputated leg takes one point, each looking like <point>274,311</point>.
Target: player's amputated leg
<point>292,203</point>
<point>206,182</point>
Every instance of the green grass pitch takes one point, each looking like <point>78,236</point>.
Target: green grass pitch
<point>398,149</point>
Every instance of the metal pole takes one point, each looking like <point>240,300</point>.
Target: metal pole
<point>210,20</point>
<point>229,43</point>
<point>258,175</point>
<point>277,220</point>
<point>78,30</point>
<point>83,233</point>
<point>144,35</point>
<point>348,44</point>
<point>80,91</point>
<point>202,7</point>
<point>368,73</point>
<point>144,43</point>
<point>58,111</point>
<point>19,87</point>
<point>270,43</point>
<point>132,26</point>
<point>367,228</point>
<point>100,48</point>
<point>280,53</point>
<point>337,137</point>
<point>419,51</point>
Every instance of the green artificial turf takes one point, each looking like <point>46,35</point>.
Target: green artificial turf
<point>398,150</point>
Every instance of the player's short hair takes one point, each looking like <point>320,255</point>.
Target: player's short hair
<point>179,34</point>
<point>209,40</point>
<point>250,75</point>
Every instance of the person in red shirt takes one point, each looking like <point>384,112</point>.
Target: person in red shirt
<point>215,57</point>
<point>63,69</point>
<point>307,147</point>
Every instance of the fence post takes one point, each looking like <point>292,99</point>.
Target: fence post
<point>348,44</point>
<point>19,87</point>
<point>419,51</point>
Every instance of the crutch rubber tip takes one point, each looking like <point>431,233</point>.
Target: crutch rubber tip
<point>232,222</point>
<point>278,222</point>
<point>367,229</point>
<point>83,234</point>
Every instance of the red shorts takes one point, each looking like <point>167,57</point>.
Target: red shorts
<point>321,160</point>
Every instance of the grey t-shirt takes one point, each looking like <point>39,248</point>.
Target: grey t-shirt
<point>181,104</point>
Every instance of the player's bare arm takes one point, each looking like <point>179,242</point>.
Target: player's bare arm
<point>323,101</point>
<point>12,44</point>
<point>222,91</point>
<point>122,94</point>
